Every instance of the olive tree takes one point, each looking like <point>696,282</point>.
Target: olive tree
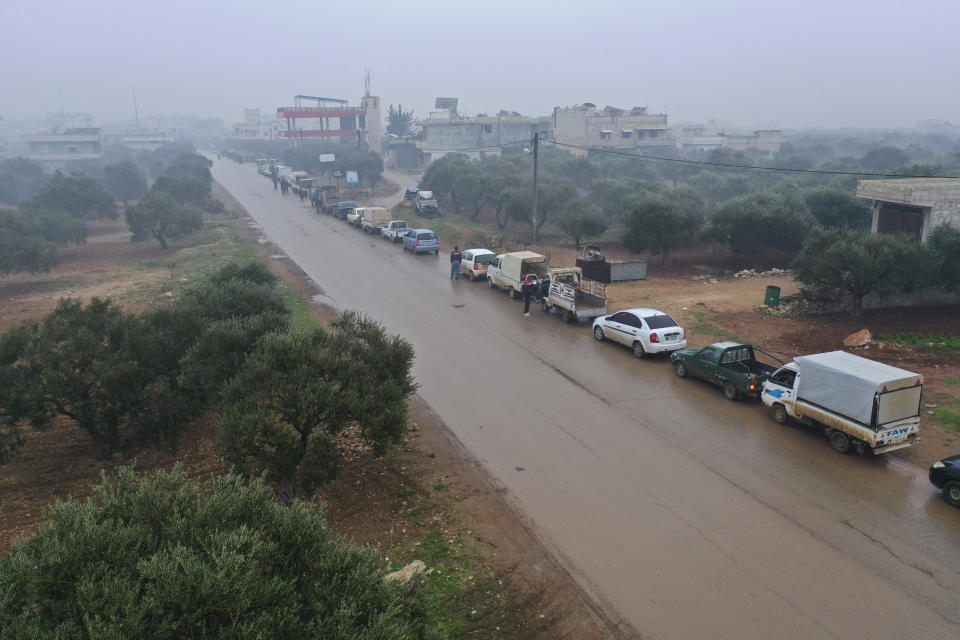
<point>663,223</point>
<point>79,362</point>
<point>297,390</point>
<point>157,215</point>
<point>168,557</point>
<point>854,264</point>
<point>756,222</point>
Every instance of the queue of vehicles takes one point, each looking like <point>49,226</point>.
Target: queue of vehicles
<point>859,403</point>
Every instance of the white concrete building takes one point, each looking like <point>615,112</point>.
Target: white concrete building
<point>609,128</point>
<point>697,139</point>
<point>69,144</point>
<point>476,137</point>
<point>912,206</point>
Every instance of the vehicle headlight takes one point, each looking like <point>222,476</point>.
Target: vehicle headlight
<point>939,464</point>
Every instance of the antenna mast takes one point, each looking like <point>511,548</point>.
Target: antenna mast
<point>366,82</point>
<point>136,112</point>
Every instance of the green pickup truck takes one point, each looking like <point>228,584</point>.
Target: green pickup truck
<point>731,365</point>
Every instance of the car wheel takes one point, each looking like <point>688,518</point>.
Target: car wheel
<point>570,316</point>
<point>951,492</point>
<point>680,369</point>
<point>780,414</point>
<point>490,283</point>
<point>638,349</point>
<point>513,293</point>
<point>730,391</point>
<point>840,441</point>
<point>598,333</point>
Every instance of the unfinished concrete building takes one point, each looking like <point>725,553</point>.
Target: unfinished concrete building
<point>912,206</point>
<point>608,128</point>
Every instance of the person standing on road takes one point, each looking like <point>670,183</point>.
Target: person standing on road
<point>528,288</point>
<point>455,263</point>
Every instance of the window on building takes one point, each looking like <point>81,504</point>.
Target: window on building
<point>626,133</point>
<point>72,149</point>
<point>641,134</point>
<point>654,134</point>
<point>486,128</point>
<point>605,134</point>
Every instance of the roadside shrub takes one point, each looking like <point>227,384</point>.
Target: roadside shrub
<point>254,271</point>
<point>170,557</point>
<point>944,241</point>
<point>232,298</point>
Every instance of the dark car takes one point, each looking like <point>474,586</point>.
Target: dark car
<point>411,194</point>
<point>945,474</point>
<point>343,208</point>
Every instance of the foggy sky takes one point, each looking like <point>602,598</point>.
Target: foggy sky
<point>818,63</point>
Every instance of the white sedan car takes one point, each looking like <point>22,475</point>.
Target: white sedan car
<point>643,330</point>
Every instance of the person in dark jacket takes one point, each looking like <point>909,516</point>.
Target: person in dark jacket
<point>528,289</point>
<point>455,263</point>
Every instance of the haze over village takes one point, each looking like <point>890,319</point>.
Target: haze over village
<point>505,320</point>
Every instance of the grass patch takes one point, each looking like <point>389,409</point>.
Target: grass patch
<point>952,381</point>
<point>948,416</point>
<point>704,327</point>
<point>467,598</point>
<point>297,306</point>
<point>941,340</point>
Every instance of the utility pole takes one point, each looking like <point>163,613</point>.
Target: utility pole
<point>536,167</point>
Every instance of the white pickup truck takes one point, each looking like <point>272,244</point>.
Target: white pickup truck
<point>573,295</point>
<point>394,230</point>
<point>508,270</point>
<point>859,402</point>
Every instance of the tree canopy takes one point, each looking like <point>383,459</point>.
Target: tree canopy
<point>399,122</point>
<point>124,180</point>
<point>759,221</point>
<point>80,196</point>
<point>170,557</point>
<point>157,215</point>
<point>297,390</point>
<point>852,264</point>
<point>663,223</point>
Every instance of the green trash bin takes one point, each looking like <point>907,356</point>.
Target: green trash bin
<point>772,299</point>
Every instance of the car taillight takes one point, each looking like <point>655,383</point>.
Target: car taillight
<point>654,338</point>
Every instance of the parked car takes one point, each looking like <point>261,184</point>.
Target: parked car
<point>411,194</point>
<point>945,475</point>
<point>858,402</point>
<point>421,241</point>
<point>643,330</point>
<point>343,208</point>
<point>731,365</point>
<point>427,205</point>
<point>509,270</point>
<point>473,263</point>
<point>355,216</point>
<point>394,230</point>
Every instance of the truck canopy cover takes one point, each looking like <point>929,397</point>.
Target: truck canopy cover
<point>844,383</point>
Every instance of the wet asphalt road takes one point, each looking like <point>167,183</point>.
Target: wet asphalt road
<point>688,515</point>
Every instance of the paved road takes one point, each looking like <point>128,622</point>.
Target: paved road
<point>687,515</point>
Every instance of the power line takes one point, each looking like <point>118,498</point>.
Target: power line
<point>738,166</point>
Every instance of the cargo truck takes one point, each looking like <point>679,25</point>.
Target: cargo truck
<point>573,295</point>
<point>508,270</point>
<point>858,402</point>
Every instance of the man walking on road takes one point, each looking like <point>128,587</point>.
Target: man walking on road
<point>455,263</point>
